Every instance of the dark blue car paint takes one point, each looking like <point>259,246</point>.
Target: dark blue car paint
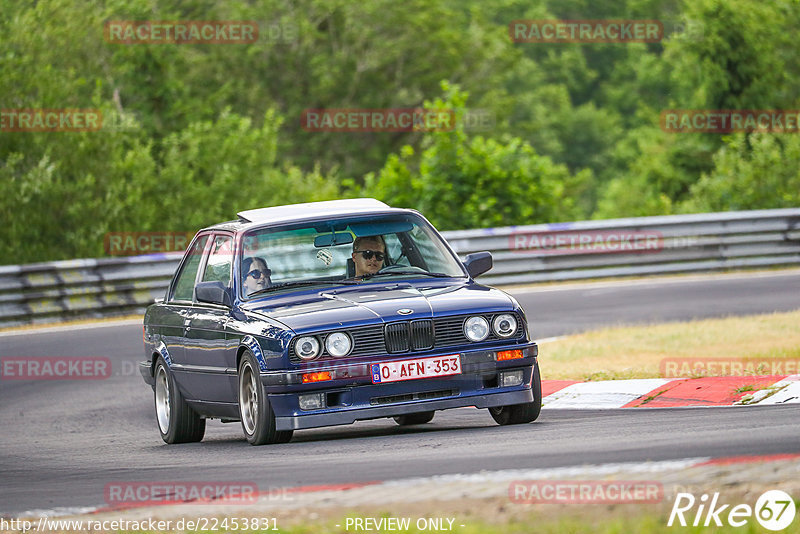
<point>202,344</point>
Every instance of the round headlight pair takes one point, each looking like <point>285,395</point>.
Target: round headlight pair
<point>337,344</point>
<point>476,328</point>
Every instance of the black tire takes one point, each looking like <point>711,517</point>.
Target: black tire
<point>414,418</point>
<point>521,413</point>
<point>258,419</point>
<point>176,421</point>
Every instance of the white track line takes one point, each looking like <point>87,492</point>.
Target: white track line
<point>571,286</point>
<point>68,327</point>
<point>788,392</point>
<point>604,395</point>
<point>387,489</point>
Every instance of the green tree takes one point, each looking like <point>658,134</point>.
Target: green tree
<point>213,169</point>
<point>757,171</point>
<point>460,181</point>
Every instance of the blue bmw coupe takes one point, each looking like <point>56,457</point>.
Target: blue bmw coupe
<point>327,313</point>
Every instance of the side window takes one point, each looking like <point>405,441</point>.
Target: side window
<point>218,268</point>
<point>184,286</point>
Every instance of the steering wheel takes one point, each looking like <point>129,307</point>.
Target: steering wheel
<point>396,267</point>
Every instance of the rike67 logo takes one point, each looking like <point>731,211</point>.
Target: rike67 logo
<point>774,510</point>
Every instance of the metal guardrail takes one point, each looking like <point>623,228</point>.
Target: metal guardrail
<point>53,291</point>
<point>683,243</point>
<point>59,290</point>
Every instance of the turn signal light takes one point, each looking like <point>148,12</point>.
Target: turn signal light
<point>509,355</point>
<point>316,377</point>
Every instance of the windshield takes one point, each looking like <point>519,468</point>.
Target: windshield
<point>343,251</point>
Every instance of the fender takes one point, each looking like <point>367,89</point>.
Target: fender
<point>251,343</point>
<point>162,350</point>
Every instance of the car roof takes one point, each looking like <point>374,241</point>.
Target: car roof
<point>329,207</point>
<point>308,210</point>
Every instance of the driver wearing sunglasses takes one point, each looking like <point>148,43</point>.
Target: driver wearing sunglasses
<point>256,274</point>
<point>369,254</point>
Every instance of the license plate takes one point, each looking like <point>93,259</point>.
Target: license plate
<point>415,369</point>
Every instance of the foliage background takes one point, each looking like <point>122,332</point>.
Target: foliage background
<point>195,133</point>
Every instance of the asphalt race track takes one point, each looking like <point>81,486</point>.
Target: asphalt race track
<point>565,309</point>
<point>63,441</point>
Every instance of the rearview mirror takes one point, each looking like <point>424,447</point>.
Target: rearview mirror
<point>213,293</point>
<point>334,238</point>
<point>478,263</point>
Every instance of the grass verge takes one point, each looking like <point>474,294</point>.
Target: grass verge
<point>576,521</point>
<point>637,351</point>
<point>564,525</point>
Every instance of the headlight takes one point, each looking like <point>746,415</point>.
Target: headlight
<point>504,325</point>
<point>307,347</point>
<point>476,328</point>
<point>338,344</point>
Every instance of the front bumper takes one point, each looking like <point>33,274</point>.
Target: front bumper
<point>349,416</point>
<point>147,373</point>
<point>354,397</point>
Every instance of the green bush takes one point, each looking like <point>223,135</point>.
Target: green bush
<point>460,181</point>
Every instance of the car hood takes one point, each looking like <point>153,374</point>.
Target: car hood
<point>375,303</point>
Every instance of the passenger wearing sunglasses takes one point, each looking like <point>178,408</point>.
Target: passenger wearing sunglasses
<point>256,274</point>
<point>369,254</point>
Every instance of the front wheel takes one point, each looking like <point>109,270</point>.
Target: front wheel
<point>521,413</point>
<point>258,419</point>
<point>177,422</point>
<point>414,418</point>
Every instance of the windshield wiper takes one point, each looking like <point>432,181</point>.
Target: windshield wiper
<point>425,273</point>
<point>301,283</point>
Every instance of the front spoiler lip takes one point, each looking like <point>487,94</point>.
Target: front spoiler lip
<point>347,417</point>
<point>146,371</point>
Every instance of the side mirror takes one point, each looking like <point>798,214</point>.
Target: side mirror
<point>213,293</point>
<point>478,263</point>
